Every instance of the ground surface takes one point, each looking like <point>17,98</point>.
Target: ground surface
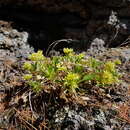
<point>20,108</point>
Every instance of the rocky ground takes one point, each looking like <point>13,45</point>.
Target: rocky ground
<point>92,26</point>
<point>20,108</point>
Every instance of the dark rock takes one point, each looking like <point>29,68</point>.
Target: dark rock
<point>82,20</point>
<point>118,99</point>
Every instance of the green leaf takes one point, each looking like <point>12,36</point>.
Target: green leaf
<point>88,77</point>
<point>78,68</point>
<point>35,85</point>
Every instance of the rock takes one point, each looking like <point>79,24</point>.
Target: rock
<point>72,120</point>
<point>15,42</point>
<point>97,46</point>
<point>14,33</point>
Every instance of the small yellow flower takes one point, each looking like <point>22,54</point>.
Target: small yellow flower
<point>61,67</point>
<point>58,65</point>
<point>68,50</point>
<point>37,56</point>
<point>107,78</point>
<point>71,81</point>
<point>27,66</point>
<point>109,66</point>
<point>72,76</point>
<point>81,55</point>
<point>27,76</point>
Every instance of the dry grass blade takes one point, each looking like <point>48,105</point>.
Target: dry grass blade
<point>55,43</point>
<point>23,117</point>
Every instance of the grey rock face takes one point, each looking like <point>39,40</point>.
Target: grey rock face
<point>14,43</point>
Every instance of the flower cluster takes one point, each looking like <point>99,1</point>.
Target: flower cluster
<point>68,51</point>
<point>69,71</point>
<point>36,56</point>
<point>71,81</point>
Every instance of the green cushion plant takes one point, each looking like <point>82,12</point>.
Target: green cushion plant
<point>69,71</point>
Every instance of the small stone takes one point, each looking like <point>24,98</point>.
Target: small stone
<point>1,37</point>
<point>14,33</point>
<point>108,95</point>
<point>85,98</point>
<point>8,42</point>
<point>24,36</point>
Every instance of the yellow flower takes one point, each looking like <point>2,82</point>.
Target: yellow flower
<point>27,66</point>
<point>27,76</point>
<point>109,66</point>
<point>71,82</point>
<point>61,67</point>
<point>37,56</point>
<point>68,50</point>
<point>72,76</point>
<point>107,78</point>
<point>81,55</point>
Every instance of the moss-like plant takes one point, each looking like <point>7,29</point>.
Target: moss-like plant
<point>69,71</point>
